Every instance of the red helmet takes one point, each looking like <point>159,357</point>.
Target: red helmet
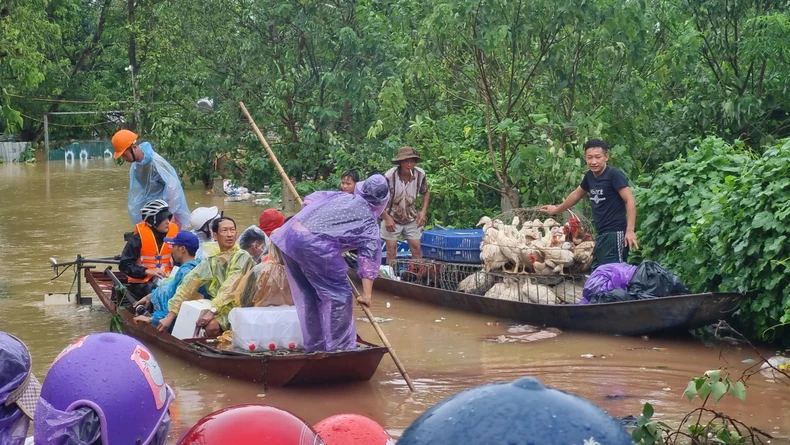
<point>352,429</point>
<point>251,424</point>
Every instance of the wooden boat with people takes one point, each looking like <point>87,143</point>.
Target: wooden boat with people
<point>438,282</point>
<point>269,368</point>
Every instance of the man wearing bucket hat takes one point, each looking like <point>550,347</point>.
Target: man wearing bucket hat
<point>151,177</point>
<point>19,390</point>
<point>401,217</point>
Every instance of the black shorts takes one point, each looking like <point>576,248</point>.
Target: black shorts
<point>610,247</point>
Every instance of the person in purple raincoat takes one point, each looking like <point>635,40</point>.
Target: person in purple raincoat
<point>313,242</point>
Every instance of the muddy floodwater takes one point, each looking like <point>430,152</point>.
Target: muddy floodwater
<point>80,208</point>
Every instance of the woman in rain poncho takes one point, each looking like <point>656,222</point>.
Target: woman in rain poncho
<point>150,177</point>
<point>312,244</point>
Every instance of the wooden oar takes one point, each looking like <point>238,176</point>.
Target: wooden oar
<point>354,289</point>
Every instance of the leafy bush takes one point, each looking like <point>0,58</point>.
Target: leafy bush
<point>717,218</point>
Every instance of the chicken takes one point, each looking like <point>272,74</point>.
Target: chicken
<point>557,256</point>
<point>507,290</point>
<point>583,256</point>
<point>568,293</point>
<point>544,267</point>
<point>478,283</point>
<point>538,293</point>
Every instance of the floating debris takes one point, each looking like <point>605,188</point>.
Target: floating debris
<point>378,319</point>
<point>526,338</point>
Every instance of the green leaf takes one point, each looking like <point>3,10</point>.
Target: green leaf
<point>718,389</point>
<point>762,219</point>
<point>714,374</point>
<point>738,390</point>
<point>636,434</point>
<point>647,411</point>
<point>691,390</point>
<point>704,390</point>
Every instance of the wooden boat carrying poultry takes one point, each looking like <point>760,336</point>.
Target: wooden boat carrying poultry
<point>268,368</point>
<point>637,317</point>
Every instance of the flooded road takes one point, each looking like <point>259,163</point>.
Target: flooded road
<point>81,209</point>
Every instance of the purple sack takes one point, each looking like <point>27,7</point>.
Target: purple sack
<point>608,277</point>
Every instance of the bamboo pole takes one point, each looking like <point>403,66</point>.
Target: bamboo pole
<point>354,289</point>
<point>271,153</point>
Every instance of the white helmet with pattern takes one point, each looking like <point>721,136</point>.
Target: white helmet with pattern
<point>152,208</point>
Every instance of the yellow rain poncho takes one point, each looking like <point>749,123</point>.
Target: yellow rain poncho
<point>220,273</point>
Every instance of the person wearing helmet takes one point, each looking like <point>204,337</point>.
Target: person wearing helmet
<point>523,411</point>
<point>219,273</point>
<point>251,424</point>
<point>146,259</point>
<point>150,177</point>
<point>104,388</point>
<point>200,220</point>
<point>312,245</point>
<point>19,390</point>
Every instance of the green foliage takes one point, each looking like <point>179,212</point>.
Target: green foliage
<point>714,428</point>
<point>713,383</point>
<point>28,155</point>
<point>648,431</point>
<point>717,219</point>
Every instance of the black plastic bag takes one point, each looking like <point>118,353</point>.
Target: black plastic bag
<point>650,280</point>
<point>612,296</point>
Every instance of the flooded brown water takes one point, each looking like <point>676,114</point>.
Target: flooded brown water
<point>82,209</point>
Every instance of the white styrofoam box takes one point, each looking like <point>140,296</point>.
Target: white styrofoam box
<point>187,317</point>
<point>261,328</point>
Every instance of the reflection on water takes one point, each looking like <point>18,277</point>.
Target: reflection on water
<point>81,208</point>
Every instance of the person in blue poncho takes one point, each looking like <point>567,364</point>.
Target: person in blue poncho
<point>151,177</point>
<point>185,244</point>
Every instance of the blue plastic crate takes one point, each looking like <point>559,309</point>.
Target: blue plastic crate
<point>455,246</point>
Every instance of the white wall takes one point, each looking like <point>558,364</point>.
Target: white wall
<point>10,151</point>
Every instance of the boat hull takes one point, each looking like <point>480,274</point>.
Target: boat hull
<point>271,370</point>
<point>625,318</point>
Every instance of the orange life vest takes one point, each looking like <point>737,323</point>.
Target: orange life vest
<point>150,255</point>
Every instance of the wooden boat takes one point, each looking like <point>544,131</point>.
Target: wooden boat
<point>626,318</point>
<point>270,369</point>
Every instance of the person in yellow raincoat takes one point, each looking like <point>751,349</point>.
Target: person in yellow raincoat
<point>220,272</point>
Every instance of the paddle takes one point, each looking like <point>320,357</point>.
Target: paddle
<point>354,289</point>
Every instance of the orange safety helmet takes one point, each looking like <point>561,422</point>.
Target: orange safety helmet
<point>121,141</point>
<point>251,424</point>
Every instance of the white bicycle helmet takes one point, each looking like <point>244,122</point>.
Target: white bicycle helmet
<point>152,208</point>
<point>201,215</point>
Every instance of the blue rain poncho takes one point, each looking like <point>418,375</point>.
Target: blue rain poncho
<point>312,244</point>
<point>162,294</point>
<point>154,178</point>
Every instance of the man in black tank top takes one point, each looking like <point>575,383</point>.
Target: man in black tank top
<point>613,205</point>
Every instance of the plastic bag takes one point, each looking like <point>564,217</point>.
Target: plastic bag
<point>266,284</point>
<point>608,277</point>
<point>650,280</point>
<point>77,427</point>
<point>612,296</point>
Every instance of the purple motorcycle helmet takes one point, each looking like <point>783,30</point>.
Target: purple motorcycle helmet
<point>110,384</point>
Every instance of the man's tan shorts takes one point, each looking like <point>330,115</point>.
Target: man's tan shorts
<point>407,231</point>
